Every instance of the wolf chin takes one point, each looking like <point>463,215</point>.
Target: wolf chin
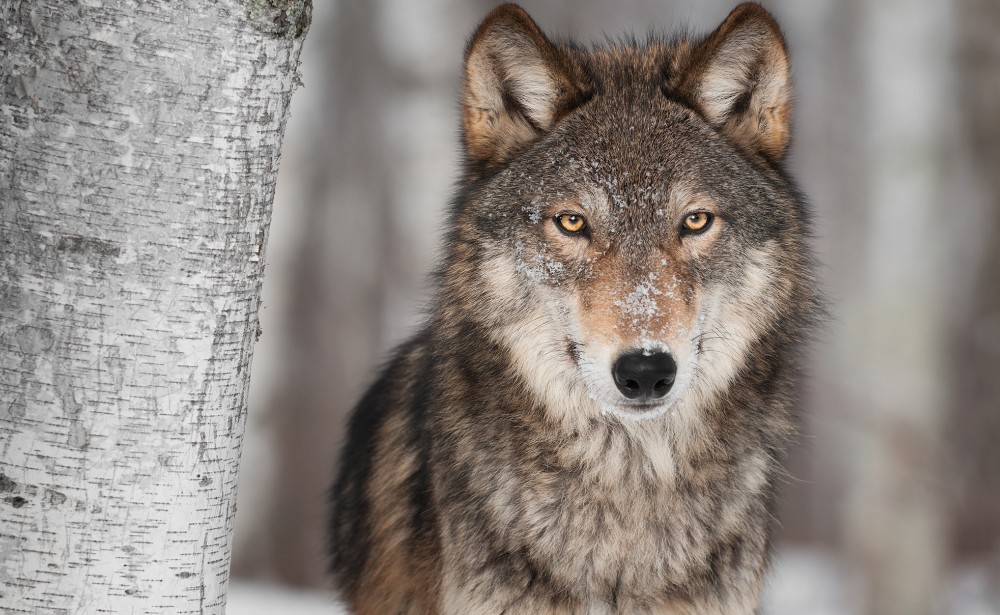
<point>592,418</point>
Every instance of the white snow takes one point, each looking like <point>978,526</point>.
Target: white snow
<point>250,598</point>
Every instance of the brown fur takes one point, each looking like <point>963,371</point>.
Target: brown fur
<point>390,578</point>
<point>506,56</point>
<point>494,467</point>
<point>763,78</point>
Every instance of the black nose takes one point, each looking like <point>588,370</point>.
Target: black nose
<point>640,375</point>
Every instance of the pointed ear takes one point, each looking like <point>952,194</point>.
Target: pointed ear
<point>517,85</point>
<point>739,79</point>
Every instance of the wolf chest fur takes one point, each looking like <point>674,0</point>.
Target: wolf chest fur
<point>591,420</point>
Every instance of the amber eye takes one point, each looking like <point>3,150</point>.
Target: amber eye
<point>697,221</point>
<point>571,224</point>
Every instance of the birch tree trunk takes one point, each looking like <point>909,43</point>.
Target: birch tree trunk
<point>139,143</point>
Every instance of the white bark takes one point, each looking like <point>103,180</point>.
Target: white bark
<point>139,143</point>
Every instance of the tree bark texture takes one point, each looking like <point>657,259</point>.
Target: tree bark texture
<point>139,144</point>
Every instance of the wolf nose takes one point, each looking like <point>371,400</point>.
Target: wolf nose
<point>643,376</point>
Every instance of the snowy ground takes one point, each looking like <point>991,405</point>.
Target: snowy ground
<point>247,598</point>
<point>802,583</point>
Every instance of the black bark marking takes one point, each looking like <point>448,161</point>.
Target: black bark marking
<point>16,501</point>
<point>53,498</point>
<point>6,484</point>
<point>82,245</point>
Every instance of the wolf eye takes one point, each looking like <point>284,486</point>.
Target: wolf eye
<point>571,224</point>
<point>697,221</point>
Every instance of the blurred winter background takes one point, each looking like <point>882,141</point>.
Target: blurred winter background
<point>892,504</point>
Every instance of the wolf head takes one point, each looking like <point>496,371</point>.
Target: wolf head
<point>624,226</point>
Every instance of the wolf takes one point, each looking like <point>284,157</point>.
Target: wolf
<point>592,418</point>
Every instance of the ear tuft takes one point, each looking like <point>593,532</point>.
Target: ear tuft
<point>739,79</point>
<point>517,85</point>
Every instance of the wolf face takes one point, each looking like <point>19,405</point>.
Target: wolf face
<point>628,211</point>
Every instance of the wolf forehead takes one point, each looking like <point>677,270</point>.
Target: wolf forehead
<point>624,152</point>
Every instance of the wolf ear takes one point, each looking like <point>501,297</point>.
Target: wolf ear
<point>517,85</point>
<point>739,79</point>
